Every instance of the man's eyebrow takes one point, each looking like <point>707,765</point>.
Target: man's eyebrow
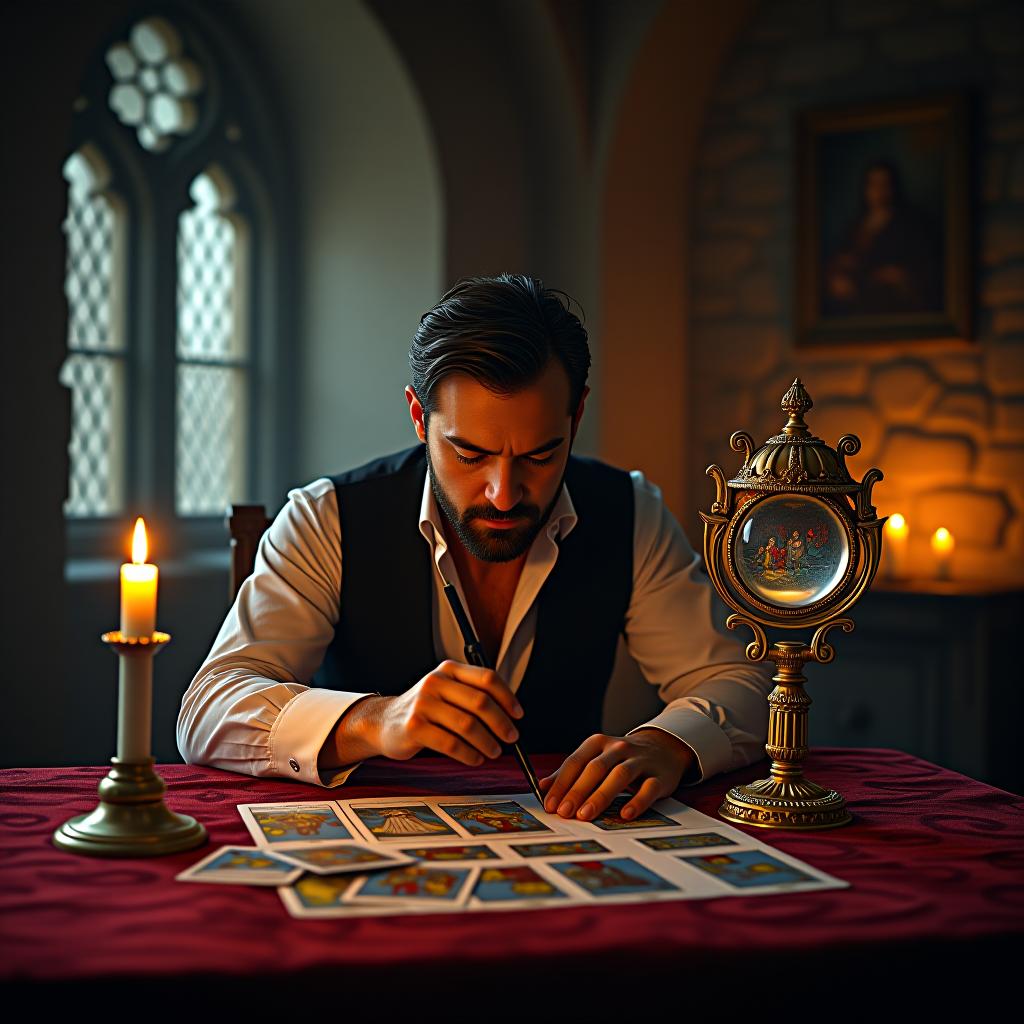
<point>461,442</point>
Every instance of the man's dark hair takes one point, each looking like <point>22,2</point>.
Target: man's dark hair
<point>501,331</point>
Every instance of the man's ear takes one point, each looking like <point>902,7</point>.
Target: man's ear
<point>578,415</point>
<point>416,413</point>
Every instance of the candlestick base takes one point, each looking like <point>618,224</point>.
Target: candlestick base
<point>131,819</point>
<point>796,803</point>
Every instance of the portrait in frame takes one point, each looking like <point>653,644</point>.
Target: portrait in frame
<point>882,233</point>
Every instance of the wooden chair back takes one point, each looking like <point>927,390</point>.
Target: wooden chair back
<point>246,524</point>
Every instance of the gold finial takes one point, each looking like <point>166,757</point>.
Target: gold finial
<point>795,402</point>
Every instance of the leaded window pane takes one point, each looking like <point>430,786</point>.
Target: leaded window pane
<point>213,375</point>
<point>97,430</point>
<point>207,265</point>
<point>94,369</point>
<point>211,448</point>
<point>90,233</point>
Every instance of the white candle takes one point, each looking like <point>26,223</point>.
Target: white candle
<point>943,544</point>
<point>896,531</point>
<point>138,588</point>
<point>135,706</point>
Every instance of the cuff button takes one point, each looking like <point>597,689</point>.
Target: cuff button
<point>293,764</point>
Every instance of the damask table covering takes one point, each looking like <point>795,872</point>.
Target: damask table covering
<point>935,861</point>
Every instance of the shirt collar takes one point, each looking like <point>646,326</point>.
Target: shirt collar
<point>560,523</point>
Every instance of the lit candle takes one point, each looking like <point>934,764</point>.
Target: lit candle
<point>138,588</point>
<point>943,544</point>
<point>896,531</point>
<point>138,619</point>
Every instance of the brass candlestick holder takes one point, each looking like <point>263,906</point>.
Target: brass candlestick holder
<point>131,819</point>
<point>792,541</point>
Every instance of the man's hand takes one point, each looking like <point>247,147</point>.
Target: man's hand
<point>457,710</point>
<point>602,766</point>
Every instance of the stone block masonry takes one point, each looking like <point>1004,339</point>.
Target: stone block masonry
<point>944,422</point>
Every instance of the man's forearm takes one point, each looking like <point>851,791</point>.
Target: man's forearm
<point>356,736</point>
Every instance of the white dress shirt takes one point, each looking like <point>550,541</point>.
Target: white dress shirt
<point>250,709</point>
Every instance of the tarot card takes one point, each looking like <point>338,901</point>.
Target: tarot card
<point>559,848</point>
<point>610,821</point>
<point>296,823</point>
<point>450,853</point>
<point>500,817</point>
<point>414,883</point>
<point>685,842</point>
<point>748,869</point>
<point>402,822</point>
<point>516,884</point>
<point>241,865</point>
<point>317,892</point>
<point>613,876</point>
<point>336,858</point>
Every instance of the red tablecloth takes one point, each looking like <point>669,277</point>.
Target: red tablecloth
<point>935,861</point>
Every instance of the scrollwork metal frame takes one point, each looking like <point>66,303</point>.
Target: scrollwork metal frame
<point>786,798</point>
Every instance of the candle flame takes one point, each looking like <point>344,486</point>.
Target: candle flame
<point>140,543</point>
<point>896,522</point>
<point>942,540</point>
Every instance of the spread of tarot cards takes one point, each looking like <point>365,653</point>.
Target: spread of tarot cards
<point>402,855</point>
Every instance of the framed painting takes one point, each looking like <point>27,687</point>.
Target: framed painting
<point>882,233</point>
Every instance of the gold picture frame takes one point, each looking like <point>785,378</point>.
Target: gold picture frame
<point>882,232</point>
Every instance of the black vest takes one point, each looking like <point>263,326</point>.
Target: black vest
<point>384,638</point>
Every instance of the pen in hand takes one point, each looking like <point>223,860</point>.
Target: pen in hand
<point>475,656</point>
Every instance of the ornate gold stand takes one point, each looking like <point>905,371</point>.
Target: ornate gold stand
<point>786,799</point>
<point>795,474</point>
<point>131,819</point>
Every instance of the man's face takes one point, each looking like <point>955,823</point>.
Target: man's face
<point>496,462</point>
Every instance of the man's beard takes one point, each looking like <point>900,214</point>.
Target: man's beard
<point>483,542</point>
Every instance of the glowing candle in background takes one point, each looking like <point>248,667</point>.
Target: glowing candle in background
<point>895,546</point>
<point>138,588</point>
<point>943,544</point>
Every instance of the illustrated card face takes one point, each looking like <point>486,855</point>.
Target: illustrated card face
<point>689,842</point>
<point>402,822</point>
<point>294,823</point>
<point>314,892</point>
<point>414,883</point>
<point>502,817</point>
<point>334,858</point>
<point>559,848</point>
<point>450,853</point>
<point>610,820</point>
<point>515,884</point>
<point>241,865</point>
<point>748,869</point>
<point>613,876</point>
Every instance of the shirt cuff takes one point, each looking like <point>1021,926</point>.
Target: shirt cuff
<point>709,744</point>
<point>300,731</point>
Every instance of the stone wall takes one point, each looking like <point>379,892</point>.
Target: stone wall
<point>944,422</point>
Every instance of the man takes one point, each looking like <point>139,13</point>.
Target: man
<point>794,552</point>
<point>554,556</point>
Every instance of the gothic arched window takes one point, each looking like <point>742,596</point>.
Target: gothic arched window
<point>176,188</point>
